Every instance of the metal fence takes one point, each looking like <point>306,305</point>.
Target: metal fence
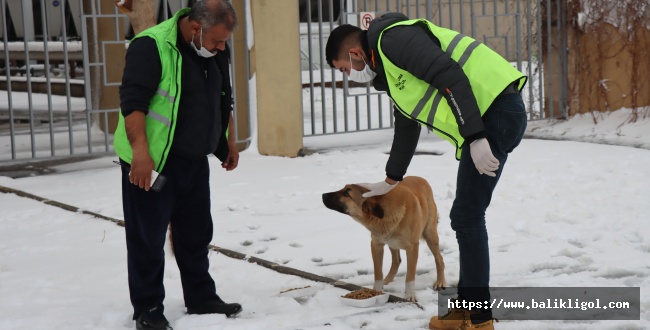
<point>513,28</point>
<point>60,70</point>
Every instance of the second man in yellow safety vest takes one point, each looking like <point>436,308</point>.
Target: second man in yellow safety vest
<point>465,92</point>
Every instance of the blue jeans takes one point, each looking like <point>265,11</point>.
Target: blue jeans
<point>505,123</point>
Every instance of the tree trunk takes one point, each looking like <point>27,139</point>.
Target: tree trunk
<point>140,13</point>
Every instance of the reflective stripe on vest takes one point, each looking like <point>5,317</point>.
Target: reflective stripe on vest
<point>431,90</point>
<point>166,95</point>
<point>423,102</point>
<point>163,106</point>
<point>158,117</point>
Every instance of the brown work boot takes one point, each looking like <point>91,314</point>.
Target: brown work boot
<point>487,325</point>
<point>461,319</point>
<point>453,320</point>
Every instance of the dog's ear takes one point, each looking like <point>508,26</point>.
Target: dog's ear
<point>372,206</point>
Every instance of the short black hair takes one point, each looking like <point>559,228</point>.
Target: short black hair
<point>340,36</point>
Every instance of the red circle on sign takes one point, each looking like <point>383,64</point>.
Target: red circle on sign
<point>365,21</point>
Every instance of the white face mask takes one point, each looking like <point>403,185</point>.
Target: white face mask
<point>362,76</point>
<point>202,52</point>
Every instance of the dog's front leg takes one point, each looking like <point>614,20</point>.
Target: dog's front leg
<point>394,266</point>
<point>411,265</point>
<point>377,250</point>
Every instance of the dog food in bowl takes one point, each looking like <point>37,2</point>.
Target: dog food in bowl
<point>364,298</point>
<point>363,294</point>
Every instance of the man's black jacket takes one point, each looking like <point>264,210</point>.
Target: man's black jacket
<point>415,49</point>
<point>206,96</point>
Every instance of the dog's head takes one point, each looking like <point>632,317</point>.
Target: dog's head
<point>350,201</point>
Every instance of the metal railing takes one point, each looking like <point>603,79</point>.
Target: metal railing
<point>58,90</point>
<point>40,96</point>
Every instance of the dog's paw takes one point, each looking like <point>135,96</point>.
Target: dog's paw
<point>439,285</point>
<point>379,286</point>
<point>411,297</point>
<point>409,293</point>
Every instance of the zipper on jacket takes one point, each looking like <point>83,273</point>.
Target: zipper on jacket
<point>173,118</point>
<point>210,99</point>
<point>456,107</point>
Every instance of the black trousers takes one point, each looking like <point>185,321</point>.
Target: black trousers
<point>184,202</point>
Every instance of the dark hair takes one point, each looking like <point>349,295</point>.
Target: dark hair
<point>211,13</point>
<point>343,35</point>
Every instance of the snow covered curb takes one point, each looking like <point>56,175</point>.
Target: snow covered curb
<point>611,128</point>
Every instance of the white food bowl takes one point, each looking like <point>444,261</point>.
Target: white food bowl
<point>368,302</point>
<point>382,298</point>
<point>359,302</point>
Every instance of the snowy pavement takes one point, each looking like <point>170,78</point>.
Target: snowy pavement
<point>565,214</point>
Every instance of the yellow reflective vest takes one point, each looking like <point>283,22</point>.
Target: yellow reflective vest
<point>163,108</point>
<point>488,73</point>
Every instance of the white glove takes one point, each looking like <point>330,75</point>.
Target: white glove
<point>483,158</point>
<point>377,189</point>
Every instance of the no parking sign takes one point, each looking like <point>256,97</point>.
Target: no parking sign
<point>364,19</point>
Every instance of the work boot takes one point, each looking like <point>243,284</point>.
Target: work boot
<point>462,319</point>
<point>454,319</point>
<point>215,307</point>
<point>152,320</point>
<point>485,325</point>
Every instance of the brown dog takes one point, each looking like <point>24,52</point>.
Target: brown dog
<point>399,219</point>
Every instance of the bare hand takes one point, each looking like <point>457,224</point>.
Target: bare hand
<point>141,167</point>
<point>233,159</point>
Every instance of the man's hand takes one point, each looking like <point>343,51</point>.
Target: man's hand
<point>233,159</point>
<point>378,188</point>
<point>233,153</point>
<point>483,158</point>
<point>141,167</point>
<point>141,164</point>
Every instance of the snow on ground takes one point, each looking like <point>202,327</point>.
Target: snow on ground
<point>565,214</point>
<point>600,127</point>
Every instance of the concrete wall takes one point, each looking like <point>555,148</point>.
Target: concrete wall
<point>279,97</point>
<point>241,77</point>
